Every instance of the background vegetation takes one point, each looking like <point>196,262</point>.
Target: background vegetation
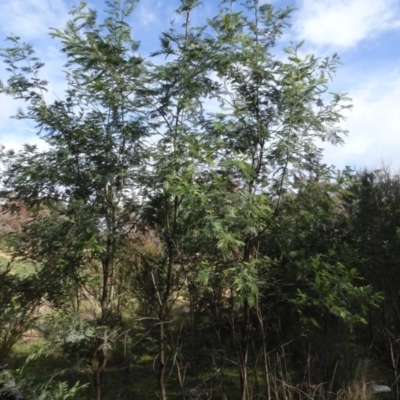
<point>180,237</point>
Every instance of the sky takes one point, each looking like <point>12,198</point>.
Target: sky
<point>365,34</point>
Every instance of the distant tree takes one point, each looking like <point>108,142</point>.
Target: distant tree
<point>372,203</point>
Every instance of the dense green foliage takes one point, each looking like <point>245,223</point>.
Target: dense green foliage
<point>183,227</point>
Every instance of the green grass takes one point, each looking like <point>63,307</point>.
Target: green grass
<point>20,268</point>
<point>125,380</point>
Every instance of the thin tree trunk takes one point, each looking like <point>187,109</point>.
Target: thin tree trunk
<point>244,353</point>
<point>98,365</point>
<point>264,350</point>
<point>106,297</point>
<point>161,371</point>
<point>245,337</point>
<point>99,375</point>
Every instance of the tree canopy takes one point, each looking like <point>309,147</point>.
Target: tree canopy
<point>184,208</point>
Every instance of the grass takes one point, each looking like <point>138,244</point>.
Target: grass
<point>123,380</point>
<point>136,379</point>
<point>20,268</point>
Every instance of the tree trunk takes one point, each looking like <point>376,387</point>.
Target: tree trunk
<point>161,370</point>
<point>264,351</point>
<point>98,365</point>
<point>98,383</point>
<point>106,297</point>
<point>244,353</point>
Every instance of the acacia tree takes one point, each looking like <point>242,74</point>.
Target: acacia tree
<point>272,113</point>
<point>236,166</point>
<point>87,178</point>
<point>208,187</point>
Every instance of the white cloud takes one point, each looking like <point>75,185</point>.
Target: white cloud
<point>154,12</point>
<point>344,23</point>
<point>373,124</point>
<point>18,133</point>
<point>146,16</point>
<point>31,19</point>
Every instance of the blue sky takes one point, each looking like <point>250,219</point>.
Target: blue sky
<point>365,33</point>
